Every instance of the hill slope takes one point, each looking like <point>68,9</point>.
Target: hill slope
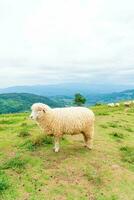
<point>29,169</point>
<point>15,102</point>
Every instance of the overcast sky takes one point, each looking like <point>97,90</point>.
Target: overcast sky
<point>55,41</point>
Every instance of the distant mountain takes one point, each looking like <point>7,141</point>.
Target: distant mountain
<point>110,97</point>
<point>47,90</point>
<point>66,89</point>
<point>13,102</point>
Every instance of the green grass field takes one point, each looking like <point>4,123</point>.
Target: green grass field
<point>30,170</point>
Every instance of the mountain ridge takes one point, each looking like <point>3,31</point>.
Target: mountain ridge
<point>21,102</point>
<point>67,89</point>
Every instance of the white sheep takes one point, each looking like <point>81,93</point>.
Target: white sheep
<point>127,103</point>
<point>60,121</point>
<point>117,104</point>
<point>110,104</point>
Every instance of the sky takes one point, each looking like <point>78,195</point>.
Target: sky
<point>63,41</point>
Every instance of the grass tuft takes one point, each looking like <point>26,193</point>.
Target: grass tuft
<point>24,124</point>
<point>103,126</point>
<point>5,121</point>
<point>127,154</point>
<point>4,182</point>
<point>23,133</point>
<point>117,135</point>
<point>34,143</point>
<point>129,129</point>
<point>14,163</point>
<point>113,125</point>
<point>102,113</point>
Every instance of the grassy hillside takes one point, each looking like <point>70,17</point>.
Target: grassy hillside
<point>110,97</point>
<point>30,170</point>
<point>20,102</point>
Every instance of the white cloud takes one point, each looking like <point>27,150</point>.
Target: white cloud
<point>44,42</point>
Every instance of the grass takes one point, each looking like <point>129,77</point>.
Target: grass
<point>15,163</point>
<point>4,182</point>
<point>128,154</point>
<point>112,124</point>
<point>23,133</point>
<point>129,129</point>
<point>103,126</point>
<point>93,176</point>
<point>117,135</point>
<point>29,169</point>
<point>34,143</point>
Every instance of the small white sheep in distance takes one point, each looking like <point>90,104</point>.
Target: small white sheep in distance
<point>60,121</point>
<point>110,104</point>
<point>127,103</point>
<point>117,104</point>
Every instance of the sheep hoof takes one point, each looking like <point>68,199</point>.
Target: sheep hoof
<point>89,147</point>
<point>55,150</point>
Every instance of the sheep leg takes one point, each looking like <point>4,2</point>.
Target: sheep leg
<point>56,144</point>
<point>88,138</point>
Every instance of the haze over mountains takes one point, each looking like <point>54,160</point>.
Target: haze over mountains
<point>66,89</point>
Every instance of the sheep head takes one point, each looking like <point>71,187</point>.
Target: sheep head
<point>38,110</point>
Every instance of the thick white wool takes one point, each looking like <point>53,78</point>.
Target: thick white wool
<point>59,121</point>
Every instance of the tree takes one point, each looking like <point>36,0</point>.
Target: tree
<point>79,100</point>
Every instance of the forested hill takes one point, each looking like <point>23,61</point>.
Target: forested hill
<point>19,102</point>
